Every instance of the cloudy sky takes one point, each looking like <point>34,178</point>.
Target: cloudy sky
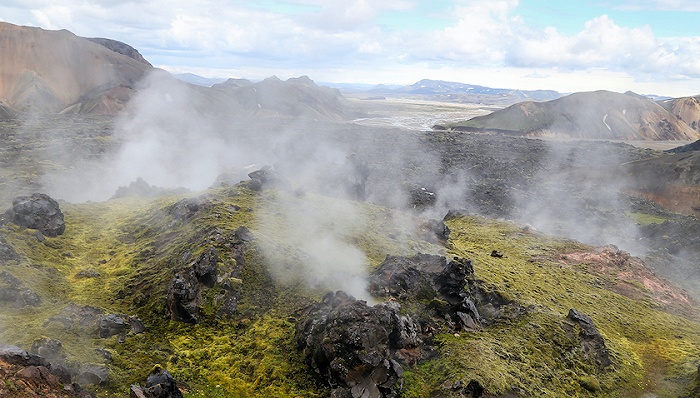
<point>648,46</point>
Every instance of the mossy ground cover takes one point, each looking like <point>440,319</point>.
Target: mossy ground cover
<point>134,246</point>
<point>652,351</point>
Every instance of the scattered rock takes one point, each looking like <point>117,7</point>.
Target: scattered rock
<point>88,273</point>
<point>137,327</point>
<point>497,254</point>
<point>353,346</point>
<point>38,211</point>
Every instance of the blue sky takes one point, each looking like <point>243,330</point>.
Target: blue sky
<point>647,46</point>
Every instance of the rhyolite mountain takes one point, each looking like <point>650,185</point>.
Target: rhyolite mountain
<point>44,71</point>
<point>685,108</point>
<point>592,115</point>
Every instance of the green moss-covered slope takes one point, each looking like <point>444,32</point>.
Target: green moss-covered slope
<point>121,257</point>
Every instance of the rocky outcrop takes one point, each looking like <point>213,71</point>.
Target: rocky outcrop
<point>592,343</point>
<point>120,48</point>
<point>353,347</point>
<point>38,211</point>
<point>453,294</point>
<point>184,301</point>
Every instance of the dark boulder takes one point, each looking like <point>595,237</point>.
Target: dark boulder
<point>356,348</point>
<point>218,268</point>
<point>263,178</point>
<point>38,211</point>
<point>159,384</point>
<point>13,291</point>
<point>429,278</point>
<point>592,343</point>
<point>93,374</point>
<point>18,356</point>
<point>111,325</point>
<point>78,319</point>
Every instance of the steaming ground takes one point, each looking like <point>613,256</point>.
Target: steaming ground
<point>174,137</point>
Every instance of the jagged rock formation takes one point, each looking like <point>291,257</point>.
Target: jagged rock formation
<point>598,114</point>
<point>50,71</point>
<point>184,301</point>
<point>353,347</point>
<point>454,295</point>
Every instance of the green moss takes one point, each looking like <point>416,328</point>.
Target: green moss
<point>645,219</point>
<point>644,341</point>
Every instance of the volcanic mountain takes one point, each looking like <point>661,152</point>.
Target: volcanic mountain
<point>597,115</point>
<point>49,71</point>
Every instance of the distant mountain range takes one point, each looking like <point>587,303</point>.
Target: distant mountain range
<point>445,88</point>
<point>597,114</point>
<point>51,72</point>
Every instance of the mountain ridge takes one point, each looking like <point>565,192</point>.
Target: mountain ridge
<point>596,114</point>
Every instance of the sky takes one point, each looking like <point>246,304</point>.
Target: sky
<point>647,46</point>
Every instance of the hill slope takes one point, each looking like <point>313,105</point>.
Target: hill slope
<point>48,71</point>
<point>598,115</point>
<point>129,258</point>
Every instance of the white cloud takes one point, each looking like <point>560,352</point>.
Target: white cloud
<point>660,5</point>
<point>344,37</point>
